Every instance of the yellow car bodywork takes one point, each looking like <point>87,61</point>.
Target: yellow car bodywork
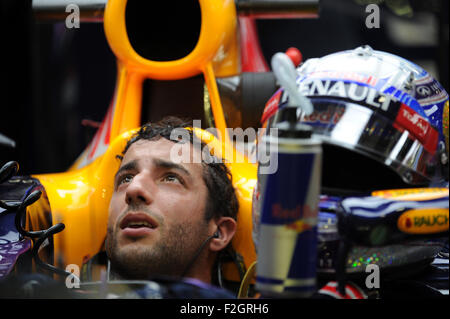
<point>80,197</point>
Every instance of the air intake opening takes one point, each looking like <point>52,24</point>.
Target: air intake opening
<point>183,98</point>
<point>163,30</point>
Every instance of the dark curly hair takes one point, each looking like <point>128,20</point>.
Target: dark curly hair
<point>222,200</point>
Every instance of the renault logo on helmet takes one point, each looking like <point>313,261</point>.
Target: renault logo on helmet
<point>348,90</point>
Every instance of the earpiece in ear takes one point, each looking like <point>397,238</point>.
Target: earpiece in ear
<point>216,234</point>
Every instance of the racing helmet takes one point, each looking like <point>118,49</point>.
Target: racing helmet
<point>383,120</point>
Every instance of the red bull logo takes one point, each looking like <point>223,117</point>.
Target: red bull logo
<point>299,212</point>
<point>303,215</point>
<point>300,226</point>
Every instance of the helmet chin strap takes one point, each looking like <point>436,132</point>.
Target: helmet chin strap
<point>199,250</point>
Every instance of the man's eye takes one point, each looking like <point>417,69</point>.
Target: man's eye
<point>124,179</point>
<point>172,178</point>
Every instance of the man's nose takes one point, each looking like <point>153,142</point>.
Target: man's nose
<point>140,190</point>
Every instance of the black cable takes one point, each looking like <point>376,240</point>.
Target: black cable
<point>21,211</point>
<point>45,235</point>
<point>38,237</point>
<point>341,265</point>
<point>199,250</point>
<point>219,273</point>
<point>8,170</point>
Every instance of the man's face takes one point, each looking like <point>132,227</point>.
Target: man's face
<point>156,215</point>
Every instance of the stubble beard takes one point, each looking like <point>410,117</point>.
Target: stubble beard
<point>168,256</point>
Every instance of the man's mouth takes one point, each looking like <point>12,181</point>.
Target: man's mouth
<point>137,224</point>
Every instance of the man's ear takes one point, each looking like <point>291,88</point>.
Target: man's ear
<point>226,228</point>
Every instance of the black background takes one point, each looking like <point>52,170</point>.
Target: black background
<point>54,77</point>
